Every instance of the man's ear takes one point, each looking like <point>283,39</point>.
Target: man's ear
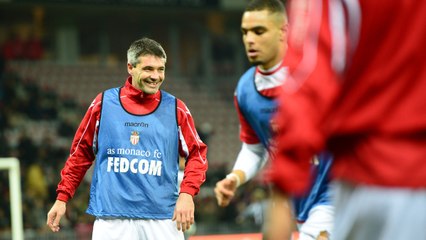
<point>284,32</point>
<point>285,28</point>
<point>129,68</point>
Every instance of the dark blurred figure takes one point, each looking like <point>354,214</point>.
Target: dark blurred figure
<point>34,49</point>
<point>17,47</point>
<point>14,47</point>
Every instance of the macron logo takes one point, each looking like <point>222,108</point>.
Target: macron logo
<point>136,124</point>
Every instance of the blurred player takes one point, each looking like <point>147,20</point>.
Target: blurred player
<point>359,84</point>
<point>264,30</point>
<point>137,133</point>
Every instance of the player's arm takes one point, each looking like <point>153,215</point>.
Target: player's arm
<point>250,160</point>
<point>195,151</point>
<point>252,155</point>
<point>79,161</point>
<point>81,153</point>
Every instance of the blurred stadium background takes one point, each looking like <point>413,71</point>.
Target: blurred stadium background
<point>56,55</point>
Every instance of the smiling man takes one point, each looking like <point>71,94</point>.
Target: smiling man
<point>136,133</point>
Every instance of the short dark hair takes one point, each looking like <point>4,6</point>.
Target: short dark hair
<point>272,6</point>
<point>144,46</point>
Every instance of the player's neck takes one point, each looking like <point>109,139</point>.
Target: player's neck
<point>271,69</point>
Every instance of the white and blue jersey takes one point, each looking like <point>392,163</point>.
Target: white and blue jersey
<point>258,110</point>
<point>137,162</point>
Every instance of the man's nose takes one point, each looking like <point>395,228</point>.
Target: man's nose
<point>250,37</point>
<point>155,75</point>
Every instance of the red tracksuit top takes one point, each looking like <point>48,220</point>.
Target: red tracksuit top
<point>358,89</point>
<point>135,101</point>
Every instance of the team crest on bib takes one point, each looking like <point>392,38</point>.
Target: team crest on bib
<point>134,138</point>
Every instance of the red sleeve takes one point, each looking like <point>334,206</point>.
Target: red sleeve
<point>304,105</point>
<point>193,149</point>
<point>81,154</point>
<point>247,134</point>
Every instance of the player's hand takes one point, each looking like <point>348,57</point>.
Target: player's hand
<point>184,212</point>
<point>225,191</point>
<point>323,235</point>
<point>55,214</point>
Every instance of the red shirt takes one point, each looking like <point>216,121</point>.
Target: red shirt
<point>135,101</point>
<point>360,71</point>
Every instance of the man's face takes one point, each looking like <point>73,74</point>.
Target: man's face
<point>148,74</point>
<point>263,36</point>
